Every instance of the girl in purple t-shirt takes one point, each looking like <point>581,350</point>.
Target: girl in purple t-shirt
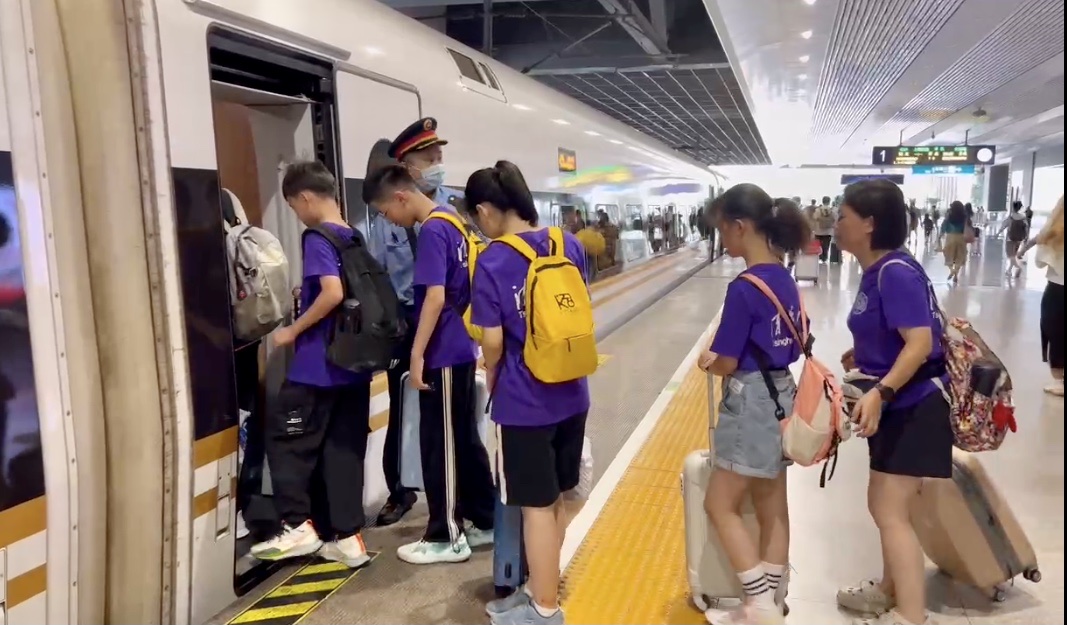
<point>540,427</point>
<point>752,350</point>
<point>896,337</point>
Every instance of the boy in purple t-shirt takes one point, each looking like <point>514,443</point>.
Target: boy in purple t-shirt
<point>455,465</point>
<point>324,412</point>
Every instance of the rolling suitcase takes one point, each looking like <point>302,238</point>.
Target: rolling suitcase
<point>969,531</point>
<point>806,264</point>
<point>410,448</point>
<point>710,575</point>
<point>509,557</point>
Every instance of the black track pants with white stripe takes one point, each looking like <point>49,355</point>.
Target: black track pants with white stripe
<point>455,465</point>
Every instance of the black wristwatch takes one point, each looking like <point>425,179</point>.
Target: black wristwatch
<point>887,393</point>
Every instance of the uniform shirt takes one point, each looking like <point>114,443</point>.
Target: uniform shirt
<point>902,301</point>
<point>500,301</point>
<point>442,261</point>
<point>749,317</point>
<point>309,364</point>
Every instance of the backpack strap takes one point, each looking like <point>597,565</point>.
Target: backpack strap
<point>929,287</point>
<point>413,242</point>
<point>518,244</point>
<point>452,219</point>
<point>338,242</point>
<point>801,336</point>
<point>555,241</point>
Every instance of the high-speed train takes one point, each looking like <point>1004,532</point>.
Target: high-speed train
<point>120,123</point>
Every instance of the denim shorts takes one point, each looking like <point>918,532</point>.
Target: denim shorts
<point>748,437</point>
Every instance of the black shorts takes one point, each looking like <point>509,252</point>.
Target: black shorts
<point>535,465</point>
<point>915,441</point>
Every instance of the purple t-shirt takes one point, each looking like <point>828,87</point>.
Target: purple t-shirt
<point>309,364</point>
<point>499,301</point>
<point>749,317</point>
<point>879,313</point>
<point>442,261</point>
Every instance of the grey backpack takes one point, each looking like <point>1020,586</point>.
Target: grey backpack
<point>259,278</point>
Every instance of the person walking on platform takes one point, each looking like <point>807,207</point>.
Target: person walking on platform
<point>419,149</point>
<point>1049,244</point>
<point>823,219</point>
<point>324,414</point>
<point>897,341</point>
<point>540,426</point>
<point>455,465</point>
<point>752,351</point>
<point>954,229</point>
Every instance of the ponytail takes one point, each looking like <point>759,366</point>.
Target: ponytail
<point>780,220</point>
<point>502,186</point>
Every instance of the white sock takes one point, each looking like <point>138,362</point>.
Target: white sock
<point>545,612</point>
<point>777,578</point>
<point>756,587</point>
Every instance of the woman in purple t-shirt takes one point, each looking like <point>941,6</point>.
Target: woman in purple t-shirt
<point>752,350</point>
<point>896,336</point>
<point>540,426</point>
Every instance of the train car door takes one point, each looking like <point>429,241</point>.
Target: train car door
<point>38,474</point>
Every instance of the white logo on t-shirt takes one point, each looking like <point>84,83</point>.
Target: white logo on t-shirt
<point>519,296</point>
<point>860,305</point>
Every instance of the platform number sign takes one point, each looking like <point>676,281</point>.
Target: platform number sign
<point>910,155</point>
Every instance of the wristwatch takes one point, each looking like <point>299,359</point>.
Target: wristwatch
<point>887,393</point>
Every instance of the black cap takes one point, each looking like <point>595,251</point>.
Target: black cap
<point>418,136</point>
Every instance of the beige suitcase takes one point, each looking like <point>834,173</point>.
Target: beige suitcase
<point>969,531</point>
<point>711,577</point>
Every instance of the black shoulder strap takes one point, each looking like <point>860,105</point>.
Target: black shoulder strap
<point>763,361</point>
<point>339,243</point>
<point>412,241</point>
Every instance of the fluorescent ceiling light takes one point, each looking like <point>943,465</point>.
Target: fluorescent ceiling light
<point>805,59</point>
<point>802,76</point>
<point>562,122</point>
<point>806,34</point>
<point>616,141</point>
<point>592,133</point>
<point>809,2</point>
<point>371,50</point>
<point>521,107</point>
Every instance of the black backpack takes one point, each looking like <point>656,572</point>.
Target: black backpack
<point>368,328</point>
<point>1017,229</point>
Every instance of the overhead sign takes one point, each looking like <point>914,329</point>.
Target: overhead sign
<point>847,179</point>
<point>568,161</point>
<point>934,155</point>
<point>943,170</point>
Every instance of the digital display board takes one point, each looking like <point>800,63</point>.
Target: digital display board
<point>943,170</point>
<point>933,155</point>
<point>568,161</point>
<point>847,179</point>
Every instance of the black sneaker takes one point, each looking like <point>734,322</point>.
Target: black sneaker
<point>393,511</point>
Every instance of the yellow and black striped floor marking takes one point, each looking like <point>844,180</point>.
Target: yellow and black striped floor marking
<point>298,595</point>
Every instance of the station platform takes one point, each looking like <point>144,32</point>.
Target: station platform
<point>624,559</point>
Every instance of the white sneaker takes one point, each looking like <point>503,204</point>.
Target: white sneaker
<point>423,552</point>
<point>291,542</point>
<point>866,597</point>
<point>478,537</point>
<point>1056,388</point>
<point>351,551</point>
<point>241,530</point>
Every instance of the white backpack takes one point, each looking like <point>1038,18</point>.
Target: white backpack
<point>259,277</point>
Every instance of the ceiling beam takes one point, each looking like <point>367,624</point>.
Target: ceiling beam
<point>574,71</point>
<point>657,14</point>
<point>634,22</point>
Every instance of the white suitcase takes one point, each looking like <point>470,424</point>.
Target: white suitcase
<point>410,448</point>
<point>712,581</point>
<point>806,267</point>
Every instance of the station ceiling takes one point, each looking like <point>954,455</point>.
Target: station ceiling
<point>655,65</point>
<point>829,79</point>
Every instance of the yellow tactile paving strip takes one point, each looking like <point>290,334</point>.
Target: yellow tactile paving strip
<point>631,566</point>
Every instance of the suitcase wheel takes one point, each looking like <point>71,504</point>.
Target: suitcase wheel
<point>998,595</point>
<point>1032,575</point>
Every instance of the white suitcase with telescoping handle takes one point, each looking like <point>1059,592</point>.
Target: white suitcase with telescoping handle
<point>712,581</point>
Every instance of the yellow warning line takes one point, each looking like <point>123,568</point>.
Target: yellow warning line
<point>262,614</point>
<point>631,566</point>
<point>301,589</point>
<point>325,567</point>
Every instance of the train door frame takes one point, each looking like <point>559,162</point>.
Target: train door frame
<point>36,216</point>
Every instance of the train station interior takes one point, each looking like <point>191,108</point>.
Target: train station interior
<point>142,141</point>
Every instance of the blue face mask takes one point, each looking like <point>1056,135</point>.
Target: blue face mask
<point>431,178</point>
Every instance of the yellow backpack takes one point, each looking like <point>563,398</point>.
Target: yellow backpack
<point>560,331</point>
<point>474,247</point>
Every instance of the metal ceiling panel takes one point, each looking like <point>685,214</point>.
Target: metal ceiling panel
<point>699,112</point>
<point>873,42</point>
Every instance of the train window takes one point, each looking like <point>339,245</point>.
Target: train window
<point>467,67</point>
<point>489,76</point>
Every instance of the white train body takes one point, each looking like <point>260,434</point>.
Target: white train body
<point>107,116</point>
